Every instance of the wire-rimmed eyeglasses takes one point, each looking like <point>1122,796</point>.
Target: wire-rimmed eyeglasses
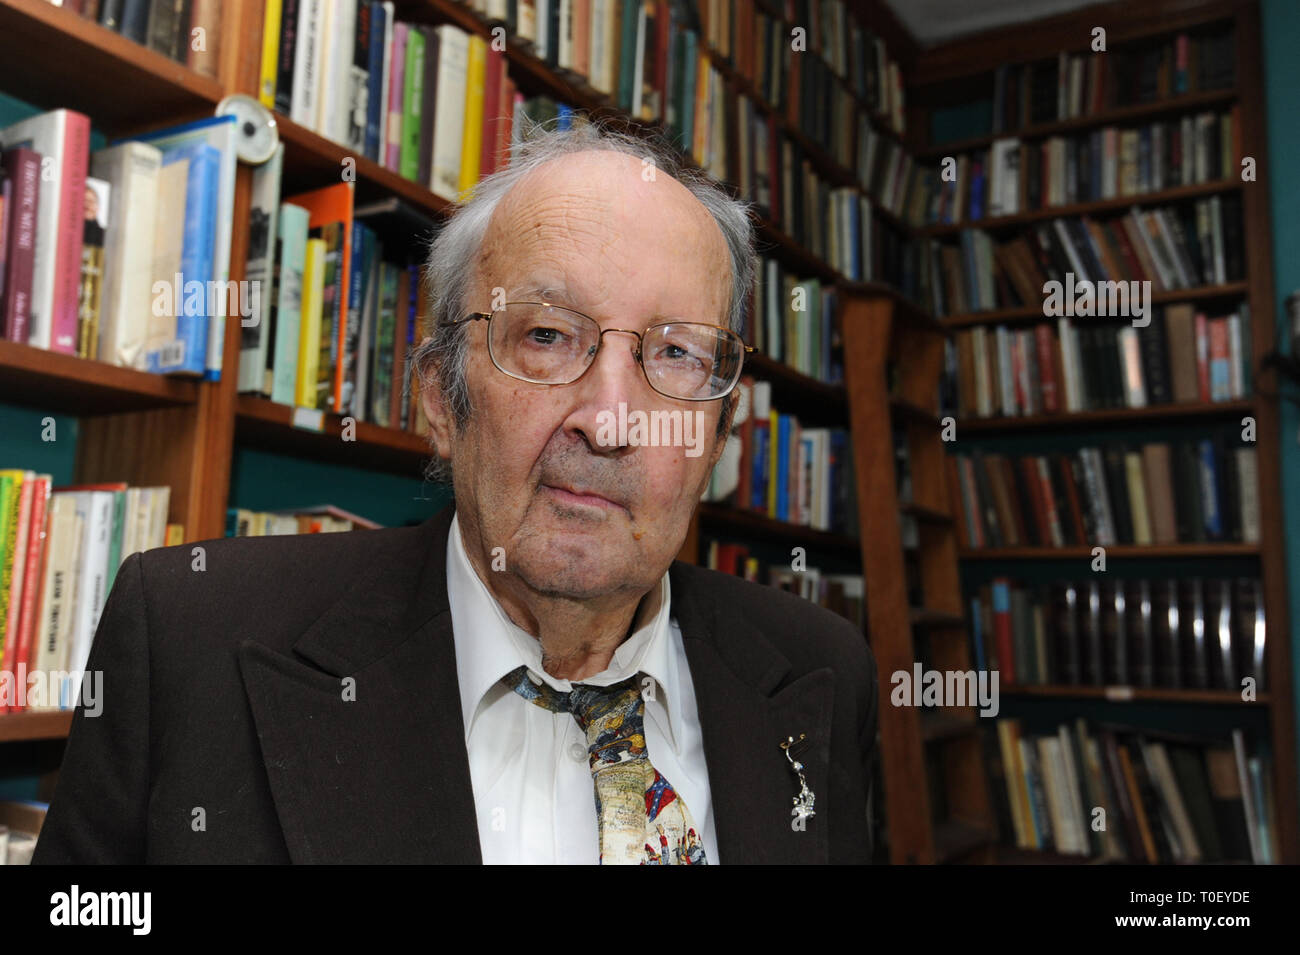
<point>550,344</point>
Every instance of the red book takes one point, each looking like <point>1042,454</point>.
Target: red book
<point>1002,630</point>
<point>493,111</point>
<point>1035,505</point>
<point>1072,495</point>
<point>22,167</point>
<point>19,649</point>
<point>1048,386</point>
<point>1202,356</point>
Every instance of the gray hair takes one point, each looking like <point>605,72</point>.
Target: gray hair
<point>440,357</point>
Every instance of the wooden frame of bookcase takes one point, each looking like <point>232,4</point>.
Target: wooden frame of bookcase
<point>941,70</point>
<point>149,429</point>
<point>876,329</point>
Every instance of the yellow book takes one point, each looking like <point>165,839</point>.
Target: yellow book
<point>773,439</point>
<point>175,532</point>
<point>313,296</point>
<point>270,54</point>
<point>700,134</point>
<point>471,143</point>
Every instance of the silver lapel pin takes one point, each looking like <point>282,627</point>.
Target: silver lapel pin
<point>803,802</point>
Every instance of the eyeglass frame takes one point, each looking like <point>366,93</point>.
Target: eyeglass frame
<point>600,342</point>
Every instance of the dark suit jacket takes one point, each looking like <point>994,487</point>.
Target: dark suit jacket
<point>224,692</point>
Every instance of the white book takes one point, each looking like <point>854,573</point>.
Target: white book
<point>600,11</point>
<point>543,40</point>
<point>132,169</point>
<point>387,79</point>
<point>293,229</point>
<point>335,101</point>
<point>1069,364</point>
<point>95,508</point>
<point>638,60</point>
<point>564,53</point>
<point>307,63</point>
<point>219,132</point>
<point>254,338</point>
<point>159,500</point>
<point>449,111</point>
<point>54,620</point>
<point>1077,812</point>
<point>131,523</point>
<point>48,134</point>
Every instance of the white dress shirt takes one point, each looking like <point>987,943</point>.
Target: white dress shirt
<point>533,791</point>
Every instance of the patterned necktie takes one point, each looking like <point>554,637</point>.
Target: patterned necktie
<point>642,819</point>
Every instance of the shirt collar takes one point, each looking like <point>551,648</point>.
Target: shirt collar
<point>489,644</point>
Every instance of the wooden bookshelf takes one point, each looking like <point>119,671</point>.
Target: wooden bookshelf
<point>72,385</point>
<point>40,725</point>
<point>1076,209</point>
<point>1113,551</point>
<point>1127,694</point>
<point>947,74</point>
<point>1032,315</point>
<point>1149,415</point>
<point>1117,116</point>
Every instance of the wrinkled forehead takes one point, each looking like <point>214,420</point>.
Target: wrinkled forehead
<point>608,210</point>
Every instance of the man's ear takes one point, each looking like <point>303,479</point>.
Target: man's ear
<point>729,406</point>
<point>436,412</point>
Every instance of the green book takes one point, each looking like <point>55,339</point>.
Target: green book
<point>412,104</point>
<point>627,52</point>
<point>115,539</point>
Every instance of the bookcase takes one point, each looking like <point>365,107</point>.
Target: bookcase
<point>149,429</point>
<point>964,77</point>
<point>145,428</point>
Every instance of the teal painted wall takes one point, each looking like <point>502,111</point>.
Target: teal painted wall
<point>263,481</point>
<point>1281,39</point>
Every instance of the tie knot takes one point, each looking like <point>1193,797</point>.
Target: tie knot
<point>589,704</point>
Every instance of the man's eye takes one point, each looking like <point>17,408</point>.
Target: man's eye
<point>676,353</point>
<point>545,336</point>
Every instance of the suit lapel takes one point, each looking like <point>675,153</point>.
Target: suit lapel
<point>735,669</point>
<point>365,749</point>
<point>364,742</point>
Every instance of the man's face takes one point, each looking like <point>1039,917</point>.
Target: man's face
<point>576,517</point>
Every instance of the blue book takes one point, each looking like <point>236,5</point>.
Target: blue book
<point>186,352</point>
<point>758,482</point>
<point>1209,482</point>
<point>977,192</point>
<point>690,56</point>
<point>564,116</point>
<point>360,236</point>
<point>783,468</point>
<point>977,634</point>
<point>375,84</point>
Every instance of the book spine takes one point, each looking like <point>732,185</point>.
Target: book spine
<point>23,169</point>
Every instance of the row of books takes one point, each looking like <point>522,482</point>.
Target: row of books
<point>322,519</point>
<point>431,103</point>
<point>122,255</point>
<point>1167,798</point>
<point>1173,247</point>
<point>793,321</point>
<point>1175,633</point>
<point>845,594</point>
<point>773,465</point>
<point>1081,84</point>
<point>759,46</point>
<point>60,550</point>
<point>1160,493</point>
<point>1182,356</point>
<point>340,303</point>
<point>167,26</point>
<point>1012,176</point>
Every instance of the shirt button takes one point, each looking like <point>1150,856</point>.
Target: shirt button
<point>578,751</point>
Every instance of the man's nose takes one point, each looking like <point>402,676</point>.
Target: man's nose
<point>613,379</point>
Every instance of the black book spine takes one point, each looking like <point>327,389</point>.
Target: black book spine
<point>110,14</point>
<point>1154,346</point>
<point>135,20</point>
<point>1117,488</point>
<point>284,66</point>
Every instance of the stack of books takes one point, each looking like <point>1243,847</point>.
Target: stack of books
<point>60,551</point>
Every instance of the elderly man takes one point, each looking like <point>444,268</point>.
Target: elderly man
<point>527,676</point>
